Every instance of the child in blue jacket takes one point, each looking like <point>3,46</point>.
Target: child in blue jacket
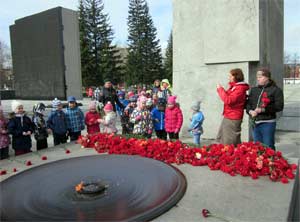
<point>57,123</point>
<point>75,119</point>
<point>158,116</point>
<point>196,122</point>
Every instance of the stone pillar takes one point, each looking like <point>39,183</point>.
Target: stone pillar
<point>211,37</point>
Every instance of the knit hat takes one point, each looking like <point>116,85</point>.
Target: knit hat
<point>130,94</point>
<point>172,100</point>
<point>165,81</point>
<point>141,100</point>
<point>132,99</point>
<point>71,99</point>
<point>92,105</point>
<point>149,102</point>
<point>55,103</point>
<point>15,104</point>
<point>161,102</point>
<point>108,107</point>
<point>121,93</point>
<point>196,105</point>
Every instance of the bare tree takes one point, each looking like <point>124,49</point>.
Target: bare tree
<point>287,67</point>
<point>5,56</point>
<point>295,63</point>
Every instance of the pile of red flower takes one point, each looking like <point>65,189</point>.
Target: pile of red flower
<point>247,159</point>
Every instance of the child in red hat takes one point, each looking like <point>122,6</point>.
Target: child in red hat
<point>92,119</point>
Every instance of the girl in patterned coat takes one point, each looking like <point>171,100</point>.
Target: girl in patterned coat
<point>142,119</point>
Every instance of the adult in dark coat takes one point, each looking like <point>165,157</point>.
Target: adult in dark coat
<point>109,94</point>
<point>264,101</point>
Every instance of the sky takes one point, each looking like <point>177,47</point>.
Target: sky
<point>160,10</point>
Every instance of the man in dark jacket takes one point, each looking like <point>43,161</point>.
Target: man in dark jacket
<point>263,102</point>
<point>110,94</point>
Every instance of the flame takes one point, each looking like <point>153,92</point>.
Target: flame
<point>79,187</point>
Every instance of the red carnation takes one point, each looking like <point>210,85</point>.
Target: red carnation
<point>28,163</point>
<point>68,151</point>
<point>15,170</point>
<point>274,176</point>
<point>44,158</point>
<point>284,180</point>
<point>2,172</point>
<point>205,213</point>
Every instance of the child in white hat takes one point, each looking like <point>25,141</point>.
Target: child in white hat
<point>20,127</point>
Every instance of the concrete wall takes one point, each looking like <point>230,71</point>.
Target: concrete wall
<point>210,38</point>
<point>39,58</point>
<point>72,52</point>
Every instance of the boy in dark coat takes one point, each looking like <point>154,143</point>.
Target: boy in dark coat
<point>57,123</point>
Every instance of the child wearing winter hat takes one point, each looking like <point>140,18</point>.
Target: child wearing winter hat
<point>197,119</point>
<point>165,89</point>
<point>21,128</point>
<point>92,119</point>
<point>141,118</point>
<point>123,101</point>
<point>110,119</point>
<point>75,119</point>
<point>40,128</point>
<point>57,123</point>
<point>4,137</point>
<point>173,118</point>
<point>158,116</point>
<point>127,126</point>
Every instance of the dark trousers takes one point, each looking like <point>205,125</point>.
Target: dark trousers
<point>161,134</point>
<point>41,144</point>
<point>74,135</point>
<point>59,138</point>
<point>173,136</point>
<point>21,152</point>
<point>4,153</point>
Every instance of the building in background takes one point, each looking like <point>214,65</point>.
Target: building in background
<point>46,55</point>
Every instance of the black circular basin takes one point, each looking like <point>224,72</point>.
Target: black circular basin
<point>117,188</point>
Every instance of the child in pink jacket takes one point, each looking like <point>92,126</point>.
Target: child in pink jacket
<point>173,118</point>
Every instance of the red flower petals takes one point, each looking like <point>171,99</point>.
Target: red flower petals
<point>28,163</point>
<point>3,172</point>
<point>15,170</point>
<point>44,158</point>
<point>205,213</point>
<point>68,151</point>
<point>247,159</point>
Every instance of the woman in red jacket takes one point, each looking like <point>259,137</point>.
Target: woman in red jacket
<point>173,118</point>
<point>234,99</point>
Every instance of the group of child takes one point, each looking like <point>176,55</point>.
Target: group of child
<point>144,113</point>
